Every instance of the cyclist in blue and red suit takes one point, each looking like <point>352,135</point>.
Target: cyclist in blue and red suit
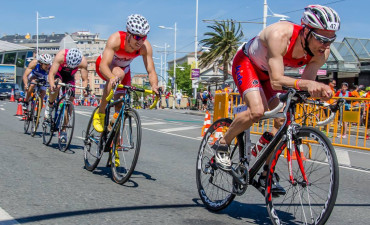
<point>65,65</point>
<point>37,69</point>
<point>258,71</point>
<point>114,64</point>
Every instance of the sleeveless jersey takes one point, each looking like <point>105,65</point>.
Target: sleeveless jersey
<point>39,73</point>
<point>64,70</point>
<point>257,52</point>
<point>122,58</point>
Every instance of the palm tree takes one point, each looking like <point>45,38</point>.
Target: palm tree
<point>223,44</point>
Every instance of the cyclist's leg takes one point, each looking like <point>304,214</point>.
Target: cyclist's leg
<point>30,88</point>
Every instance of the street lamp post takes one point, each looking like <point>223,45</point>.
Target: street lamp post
<point>174,60</point>
<point>37,30</point>
<point>196,46</point>
<point>165,61</point>
<point>265,15</point>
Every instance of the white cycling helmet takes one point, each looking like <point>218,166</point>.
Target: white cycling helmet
<point>73,58</point>
<point>137,24</point>
<point>321,17</point>
<point>45,59</point>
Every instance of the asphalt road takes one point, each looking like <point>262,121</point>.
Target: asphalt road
<point>41,185</point>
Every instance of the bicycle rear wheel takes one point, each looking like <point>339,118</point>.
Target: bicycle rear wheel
<point>66,125</point>
<point>36,116</point>
<point>28,116</point>
<point>308,202</point>
<point>48,128</point>
<point>217,188</point>
<point>92,152</point>
<point>126,146</point>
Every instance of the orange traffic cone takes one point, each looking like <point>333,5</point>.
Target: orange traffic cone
<point>88,103</point>
<point>12,96</point>
<point>294,156</point>
<point>207,123</point>
<point>217,135</point>
<point>19,110</point>
<point>95,103</point>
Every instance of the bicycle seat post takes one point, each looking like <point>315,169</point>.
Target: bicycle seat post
<point>248,144</point>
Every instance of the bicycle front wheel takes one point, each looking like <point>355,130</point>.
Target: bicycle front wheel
<point>126,146</point>
<point>217,188</point>
<point>48,128</point>
<point>92,153</point>
<point>36,115</point>
<point>310,197</point>
<point>66,127</point>
<point>28,117</point>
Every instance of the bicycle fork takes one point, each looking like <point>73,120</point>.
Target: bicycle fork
<point>294,148</point>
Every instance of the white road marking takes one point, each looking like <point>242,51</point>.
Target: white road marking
<point>152,123</point>
<point>84,113</point>
<point>343,157</point>
<point>179,129</point>
<point>6,219</point>
<point>2,109</point>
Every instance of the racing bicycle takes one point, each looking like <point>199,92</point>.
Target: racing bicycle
<point>62,118</point>
<point>303,162</point>
<point>122,139</point>
<point>32,114</point>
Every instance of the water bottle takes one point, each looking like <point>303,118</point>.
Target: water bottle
<point>262,142</point>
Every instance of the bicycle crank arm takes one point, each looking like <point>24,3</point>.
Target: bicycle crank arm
<point>239,179</point>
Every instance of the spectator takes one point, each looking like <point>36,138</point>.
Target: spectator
<point>168,93</point>
<point>205,97</point>
<point>199,101</point>
<point>343,92</point>
<point>178,98</point>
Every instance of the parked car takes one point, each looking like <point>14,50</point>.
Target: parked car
<point>6,91</point>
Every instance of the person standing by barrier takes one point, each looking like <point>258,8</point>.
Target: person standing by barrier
<point>178,98</point>
<point>168,93</point>
<point>343,92</point>
<point>258,72</point>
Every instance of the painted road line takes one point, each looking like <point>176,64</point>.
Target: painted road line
<point>84,113</point>
<point>343,158</point>
<point>178,129</point>
<point>152,123</point>
<point>6,219</point>
<point>2,109</point>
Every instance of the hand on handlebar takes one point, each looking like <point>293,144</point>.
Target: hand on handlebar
<point>319,90</point>
<point>156,89</point>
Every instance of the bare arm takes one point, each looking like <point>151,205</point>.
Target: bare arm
<point>112,45</point>
<point>27,72</point>
<point>147,53</point>
<point>58,60</point>
<point>84,73</point>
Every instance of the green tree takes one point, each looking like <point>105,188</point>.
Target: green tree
<point>223,43</point>
<point>183,80</point>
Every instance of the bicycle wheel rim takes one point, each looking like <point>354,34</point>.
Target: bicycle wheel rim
<point>48,131</point>
<point>38,112</point>
<point>215,187</point>
<point>126,146</point>
<point>33,118</point>
<point>92,153</point>
<point>68,127</point>
<point>27,120</point>
<point>307,204</point>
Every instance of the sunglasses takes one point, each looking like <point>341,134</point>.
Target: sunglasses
<point>138,38</point>
<point>324,40</point>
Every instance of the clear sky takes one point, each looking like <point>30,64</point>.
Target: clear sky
<point>109,16</point>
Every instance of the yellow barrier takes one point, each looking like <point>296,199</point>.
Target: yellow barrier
<point>354,127</point>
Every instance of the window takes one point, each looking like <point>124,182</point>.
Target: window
<point>21,58</point>
<point>97,81</point>
<point>96,90</point>
<point>1,58</point>
<point>9,58</point>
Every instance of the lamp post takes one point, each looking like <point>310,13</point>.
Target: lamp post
<point>165,60</point>
<point>265,8</point>
<point>174,60</point>
<point>37,29</point>
<point>196,47</point>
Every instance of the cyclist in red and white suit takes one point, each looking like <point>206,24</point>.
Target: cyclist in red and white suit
<point>258,68</point>
<point>114,64</point>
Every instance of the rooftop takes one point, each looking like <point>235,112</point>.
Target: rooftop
<point>7,46</point>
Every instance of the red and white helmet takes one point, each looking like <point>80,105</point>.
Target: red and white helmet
<point>45,59</point>
<point>321,17</point>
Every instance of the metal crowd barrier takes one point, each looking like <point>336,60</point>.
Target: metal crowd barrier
<point>355,117</point>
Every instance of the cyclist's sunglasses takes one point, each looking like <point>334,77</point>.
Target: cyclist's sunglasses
<point>324,40</point>
<point>138,38</point>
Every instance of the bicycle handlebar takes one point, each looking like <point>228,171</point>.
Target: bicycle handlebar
<point>69,85</point>
<point>133,88</point>
<point>292,92</point>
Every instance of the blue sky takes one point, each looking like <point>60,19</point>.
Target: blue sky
<point>107,17</point>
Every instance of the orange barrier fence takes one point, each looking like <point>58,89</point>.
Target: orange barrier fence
<point>354,132</point>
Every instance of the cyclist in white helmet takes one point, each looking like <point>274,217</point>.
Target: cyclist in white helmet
<point>65,65</point>
<point>258,72</point>
<point>114,64</point>
<point>36,69</point>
